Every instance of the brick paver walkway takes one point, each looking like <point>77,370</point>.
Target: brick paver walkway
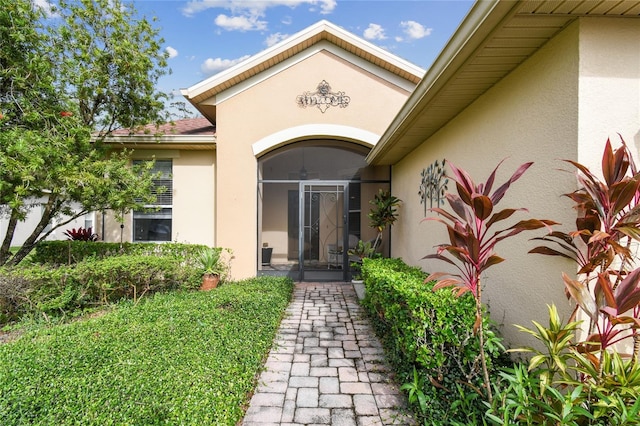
<point>326,367</point>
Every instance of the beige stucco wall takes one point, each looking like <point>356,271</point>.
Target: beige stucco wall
<point>609,86</point>
<point>609,92</point>
<point>25,227</point>
<point>531,115</point>
<point>268,107</point>
<point>193,198</point>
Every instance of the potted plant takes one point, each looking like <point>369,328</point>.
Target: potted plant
<point>356,254</point>
<point>212,267</point>
<point>383,213</point>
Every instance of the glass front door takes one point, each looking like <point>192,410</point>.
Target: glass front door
<point>322,225</point>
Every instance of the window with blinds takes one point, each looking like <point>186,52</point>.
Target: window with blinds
<point>155,225</point>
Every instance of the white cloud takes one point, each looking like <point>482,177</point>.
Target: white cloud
<point>172,52</point>
<point>326,6</point>
<point>415,30</point>
<point>275,38</point>
<point>211,65</point>
<point>398,39</point>
<point>246,15</point>
<point>240,23</point>
<point>46,7</point>
<point>197,6</point>
<point>374,32</point>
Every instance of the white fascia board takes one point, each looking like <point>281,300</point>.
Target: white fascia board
<point>161,139</point>
<point>290,62</point>
<point>203,86</point>
<point>442,69</point>
<point>284,45</point>
<point>378,51</point>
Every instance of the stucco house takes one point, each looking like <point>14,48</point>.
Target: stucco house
<point>527,81</point>
<point>307,131</point>
<point>296,140</point>
<point>275,170</point>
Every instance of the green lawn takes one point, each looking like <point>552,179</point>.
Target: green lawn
<point>177,358</point>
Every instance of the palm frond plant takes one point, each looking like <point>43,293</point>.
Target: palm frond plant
<point>212,266</point>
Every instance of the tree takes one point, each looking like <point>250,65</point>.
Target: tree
<point>67,80</point>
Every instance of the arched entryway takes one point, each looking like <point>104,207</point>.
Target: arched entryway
<point>313,201</point>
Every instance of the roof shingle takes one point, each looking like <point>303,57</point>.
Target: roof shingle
<point>187,127</point>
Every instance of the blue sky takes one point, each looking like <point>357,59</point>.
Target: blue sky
<point>206,37</point>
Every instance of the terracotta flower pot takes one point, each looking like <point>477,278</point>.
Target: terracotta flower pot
<point>209,282</point>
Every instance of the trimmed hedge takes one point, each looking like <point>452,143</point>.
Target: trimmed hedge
<point>426,330</point>
<point>92,282</point>
<point>72,252</point>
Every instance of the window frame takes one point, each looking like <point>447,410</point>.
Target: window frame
<point>160,207</point>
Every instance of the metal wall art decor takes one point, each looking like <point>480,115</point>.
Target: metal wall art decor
<point>433,185</point>
<point>323,98</point>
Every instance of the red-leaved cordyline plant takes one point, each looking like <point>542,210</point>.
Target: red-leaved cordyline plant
<point>608,220</point>
<point>81,234</point>
<point>472,239</point>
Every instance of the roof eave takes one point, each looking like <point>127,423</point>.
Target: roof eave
<point>476,26</point>
<point>191,142</point>
<point>207,88</point>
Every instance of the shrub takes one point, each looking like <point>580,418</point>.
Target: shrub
<point>431,332</point>
<point>562,385</point>
<point>473,237</point>
<point>71,252</point>
<point>36,289</point>
<point>586,381</point>
<point>40,289</point>
<point>132,276</point>
<point>607,289</point>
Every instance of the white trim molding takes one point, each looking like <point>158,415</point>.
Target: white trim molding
<point>314,131</point>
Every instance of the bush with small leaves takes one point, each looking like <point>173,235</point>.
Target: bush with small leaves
<point>430,333</point>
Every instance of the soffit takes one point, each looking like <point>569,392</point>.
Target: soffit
<point>141,144</point>
<point>297,43</point>
<point>492,41</point>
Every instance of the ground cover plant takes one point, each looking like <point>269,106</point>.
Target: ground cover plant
<point>175,358</point>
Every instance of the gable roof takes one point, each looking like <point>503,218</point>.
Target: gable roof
<point>495,37</point>
<point>278,53</point>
